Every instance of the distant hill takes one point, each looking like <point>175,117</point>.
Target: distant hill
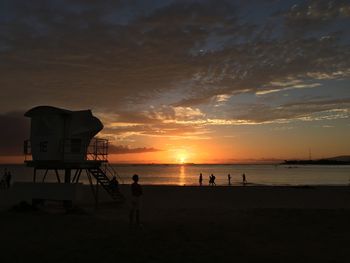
<point>343,158</point>
<point>338,160</point>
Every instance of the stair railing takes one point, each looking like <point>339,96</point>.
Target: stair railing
<point>98,150</point>
<point>110,172</point>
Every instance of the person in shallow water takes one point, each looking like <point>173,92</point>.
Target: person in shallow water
<point>200,179</point>
<point>229,179</point>
<point>136,193</point>
<point>244,179</point>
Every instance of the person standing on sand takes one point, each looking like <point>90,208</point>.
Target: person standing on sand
<point>114,184</point>
<point>229,179</point>
<point>3,180</point>
<point>8,179</point>
<point>200,179</point>
<point>136,193</point>
<point>244,180</point>
<point>212,180</point>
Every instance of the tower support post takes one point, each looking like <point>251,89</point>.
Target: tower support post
<point>67,178</point>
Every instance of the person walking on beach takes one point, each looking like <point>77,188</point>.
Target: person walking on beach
<point>244,180</point>
<point>8,178</point>
<point>114,184</point>
<point>136,193</point>
<point>212,180</point>
<point>229,179</point>
<point>3,184</point>
<point>200,179</point>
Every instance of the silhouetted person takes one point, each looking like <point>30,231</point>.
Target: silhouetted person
<point>244,180</point>
<point>200,179</point>
<point>212,180</point>
<point>4,180</point>
<point>229,179</point>
<point>8,179</point>
<point>136,193</point>
<point>114,183</point>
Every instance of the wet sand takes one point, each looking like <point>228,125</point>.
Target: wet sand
<point>187,224</point>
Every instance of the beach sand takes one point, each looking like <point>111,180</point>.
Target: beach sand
<point>187,224</point>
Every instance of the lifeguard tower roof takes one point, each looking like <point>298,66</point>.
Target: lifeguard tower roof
<point>39,110</point>
<point>83,118</point>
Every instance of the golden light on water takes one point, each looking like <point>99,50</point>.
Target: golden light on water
<point>182,176</point>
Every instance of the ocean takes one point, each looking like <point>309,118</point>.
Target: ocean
<point>188,174</point>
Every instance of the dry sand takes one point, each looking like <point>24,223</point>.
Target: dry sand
<point>187,224</point>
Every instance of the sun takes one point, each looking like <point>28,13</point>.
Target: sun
<point>182,158</point>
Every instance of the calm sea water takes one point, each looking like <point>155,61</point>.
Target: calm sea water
<point>188,174</point>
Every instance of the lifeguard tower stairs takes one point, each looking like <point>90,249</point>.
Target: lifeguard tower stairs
<point>62,142</point>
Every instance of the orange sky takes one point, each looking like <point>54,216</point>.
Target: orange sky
<point>227,143</point>
<point>250,144</point>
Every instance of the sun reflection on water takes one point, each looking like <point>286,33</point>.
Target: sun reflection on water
<point>182,177</point>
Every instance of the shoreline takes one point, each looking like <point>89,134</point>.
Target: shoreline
<point>188,176</point>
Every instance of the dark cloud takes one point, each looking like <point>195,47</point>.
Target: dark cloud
<point>119,149</point>
<point>157,130</point>
<point>260,113</point>
<point>164,121</point>
<point>14,130</point>
<point>317,12</point>
<point>128,117</point>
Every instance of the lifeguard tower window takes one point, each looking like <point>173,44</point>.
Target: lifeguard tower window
<point>43,146</point>
<point>75,145</point>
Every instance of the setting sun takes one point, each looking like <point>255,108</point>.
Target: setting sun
<point>181,158</point>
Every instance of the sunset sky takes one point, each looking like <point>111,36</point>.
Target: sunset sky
<point>183,81</point>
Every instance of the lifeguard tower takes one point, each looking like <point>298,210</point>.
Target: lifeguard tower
<point>63,140</point>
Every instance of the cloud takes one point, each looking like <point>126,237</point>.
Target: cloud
<point>14,130</point>
<point>222,97</point>
<point>277,86</point>
<point>261,113</point>
<point>72,55</point>
<point>119,149</point>
<point>313,12</point>
<point>199,128</point>
<point>167,129</point>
